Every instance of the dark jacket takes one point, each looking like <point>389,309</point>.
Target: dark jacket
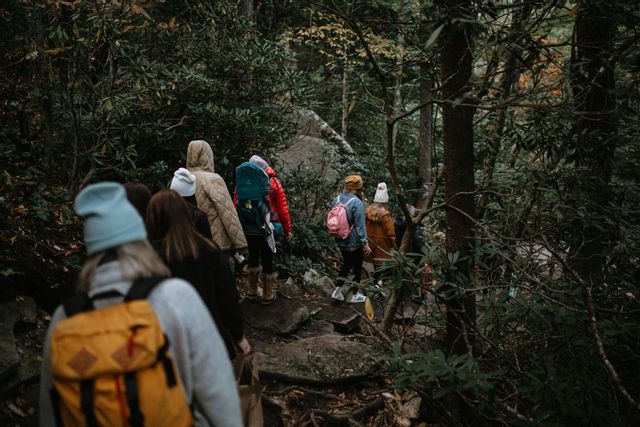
<point>200,221</point>
<point>211,275</point>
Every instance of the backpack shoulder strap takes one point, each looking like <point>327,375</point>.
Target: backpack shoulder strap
<point>348,201</point>
<point>77,304</point>
<point>141,288</point>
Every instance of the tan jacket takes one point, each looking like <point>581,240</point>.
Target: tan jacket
<point>381,233</point>
<point>213,198</point>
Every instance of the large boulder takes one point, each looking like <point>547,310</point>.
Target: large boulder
<point>281,317</point>
<point>22,310</point>
<point>317,283</point>
<point>325,359</point>
<point>318,153</point>
<point>343,316</point>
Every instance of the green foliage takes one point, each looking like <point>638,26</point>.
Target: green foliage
<point>451,374</point>
<point>102,91</point>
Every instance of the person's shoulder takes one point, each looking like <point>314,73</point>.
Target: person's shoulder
<point>356,201</point>
<point>173,287</point>
<point>209,176</point>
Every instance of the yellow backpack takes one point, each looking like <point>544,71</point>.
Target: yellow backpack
<point>112,366</point>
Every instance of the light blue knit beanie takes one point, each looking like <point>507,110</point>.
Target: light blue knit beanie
<point>109,219</point>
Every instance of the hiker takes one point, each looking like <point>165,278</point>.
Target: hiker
<point>354,246</point>
<point>380,230</point>
<point>196,260</point>
<point>212,196</point>
<point>252,203</point>
<point>135,335</point>
<point>400,224</point>
<point>280,218</point>
<point>138,195</point>
<point>184,183</point>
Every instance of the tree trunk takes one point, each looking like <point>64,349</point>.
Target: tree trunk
<point>425,146</point>
<point>499,117</point>
<point>456,68</point>
<point>247,8</point>
<point>592,66</point>
<point>345,100</point>
<point>40,21</point>
<point>397,88</point>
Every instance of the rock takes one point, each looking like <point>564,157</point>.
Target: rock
<point>410,314</point>
<point>326,359</point>
<point>315,328</point>
<point>314,281</point>
<point>24,373</point>
<point>281,317</point>
<point>290,289</point>
<point>317,151</point>
<point>22,310</point>
<point>341,315</point>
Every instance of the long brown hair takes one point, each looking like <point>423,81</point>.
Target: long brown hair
<point>170,223</point>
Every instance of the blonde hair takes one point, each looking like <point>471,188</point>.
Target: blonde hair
<point>137,260</point>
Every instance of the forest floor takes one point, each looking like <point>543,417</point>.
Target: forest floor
<point>322,361</point>
<point>328,368</point>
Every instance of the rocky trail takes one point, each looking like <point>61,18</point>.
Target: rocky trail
<point>321,361</point>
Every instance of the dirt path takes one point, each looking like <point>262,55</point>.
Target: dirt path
<point>323,364</point>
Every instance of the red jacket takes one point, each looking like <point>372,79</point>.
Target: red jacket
<point>278,201</point>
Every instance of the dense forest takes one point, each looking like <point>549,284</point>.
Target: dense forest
<point>508,132</point>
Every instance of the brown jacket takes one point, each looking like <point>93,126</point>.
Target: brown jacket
<point>213,198</point>
<point>380,232</point>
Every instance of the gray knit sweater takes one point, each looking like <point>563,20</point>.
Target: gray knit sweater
<point>197,348</point>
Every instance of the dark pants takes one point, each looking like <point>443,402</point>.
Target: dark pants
<point>351,260</point>
<point>260,250</point>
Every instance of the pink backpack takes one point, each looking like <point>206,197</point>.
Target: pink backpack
<point>337,220</point>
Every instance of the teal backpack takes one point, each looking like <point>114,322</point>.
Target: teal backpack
<point>252,199</point>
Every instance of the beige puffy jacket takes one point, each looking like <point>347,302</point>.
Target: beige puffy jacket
<point>213,198</point>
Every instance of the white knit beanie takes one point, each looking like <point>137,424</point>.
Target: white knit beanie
<point>381,194</point>
<point>184,183</point>
<point>257,160</point>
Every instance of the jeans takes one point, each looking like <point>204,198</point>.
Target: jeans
<point>351,260</point>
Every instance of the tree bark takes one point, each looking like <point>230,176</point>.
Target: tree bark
<point>592,66</point>
<point>40,21</point>
<point>456,68</point>
<point>345,100</point>
<point>499,117</point>
<point>425,138</point>
<point>397,88</point>
<point>247,8</point>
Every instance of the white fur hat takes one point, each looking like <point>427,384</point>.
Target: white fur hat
<point>381,194</point>
<point>184,182</point>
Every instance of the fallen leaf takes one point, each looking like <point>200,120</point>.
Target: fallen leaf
<point>16,410</point>
<point>368,309</point>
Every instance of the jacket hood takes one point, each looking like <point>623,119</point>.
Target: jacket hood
<point>376,212</point>
<point>270,172</point>
<point>200,156</point>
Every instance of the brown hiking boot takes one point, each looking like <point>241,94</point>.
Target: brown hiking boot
<point>252,291</point>
<point>268,295</point>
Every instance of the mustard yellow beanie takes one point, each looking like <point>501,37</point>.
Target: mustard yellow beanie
<point>353,182</point>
